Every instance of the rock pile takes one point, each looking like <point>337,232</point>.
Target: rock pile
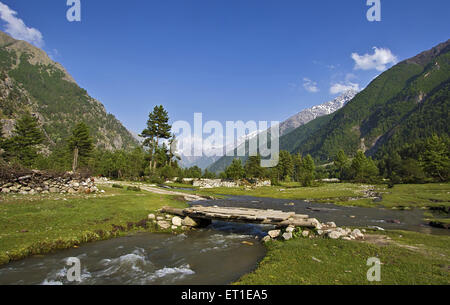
<point>329,230</point>
<point>38,182</point>
<point>173,222</point>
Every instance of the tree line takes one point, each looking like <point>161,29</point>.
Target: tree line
<point>423,161</point>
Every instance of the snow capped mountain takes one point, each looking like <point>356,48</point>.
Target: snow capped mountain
<point>287,126</point>
<point>312,113</point>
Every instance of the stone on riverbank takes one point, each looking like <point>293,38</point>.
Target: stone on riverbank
<point>189,222</point>
<point>274,233</point>
<point>163,224</point>
<point>177,221</point>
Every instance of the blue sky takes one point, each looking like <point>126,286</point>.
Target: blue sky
<point>229,59</point>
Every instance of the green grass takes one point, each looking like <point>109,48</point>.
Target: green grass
<point>416,195</point>
<point>38,224</point>
<point>344,262</point>
<point>349,194</point>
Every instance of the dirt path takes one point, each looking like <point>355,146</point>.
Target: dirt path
<point>157,190</point>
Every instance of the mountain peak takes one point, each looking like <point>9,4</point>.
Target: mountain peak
<point>37,56</point>
<point>307,115</point>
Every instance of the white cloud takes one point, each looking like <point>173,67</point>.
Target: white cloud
<point>17,29</point>
<point>310,86</point>
<point>379,60</point>
<point>339,88</point>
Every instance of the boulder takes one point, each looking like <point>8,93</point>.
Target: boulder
<point>357,234</point>
<point>151,216</point>
<point>177,221</point>
<point>53,190</point>
<point>331,224</point>
<point>163,224</point>
<point>174,227</point>
<point>305,233</point>
<point>266,238</point>
<point>274,233</point>
<point>290,229</point>
<point>334,235</point>
<point>189,222</point>
<point>287,236</point>
<point>6,190</point>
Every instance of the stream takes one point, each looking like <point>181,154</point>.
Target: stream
<point>219,254</point>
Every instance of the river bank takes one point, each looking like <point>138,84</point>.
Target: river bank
<point>39,224</point>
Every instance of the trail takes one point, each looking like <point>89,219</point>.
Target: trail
<point>157,190</point>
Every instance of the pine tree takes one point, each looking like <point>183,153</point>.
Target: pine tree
<point>235,171</point>
<point>285,166</point>
<point>253,167</point>
<point>363,169</point>
<point>27,135</point>
<point>80,144</point>
<point>157,128</point>
<point>297,161</point>
<point>341,163</point>
<point>435,159</point>
<point>308,171</point>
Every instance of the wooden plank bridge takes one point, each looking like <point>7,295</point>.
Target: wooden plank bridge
<point>245,215</point>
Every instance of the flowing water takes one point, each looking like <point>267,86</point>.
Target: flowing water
<point>216,256</point>
<point>411,220</point>
<point>220,254</point>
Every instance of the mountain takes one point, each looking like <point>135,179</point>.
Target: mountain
<point>310,114</point>
<point>408,102</point>
<point>294,125</point>
<point>31,82</point>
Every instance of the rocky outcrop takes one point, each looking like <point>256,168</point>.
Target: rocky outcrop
<point>37,182</point>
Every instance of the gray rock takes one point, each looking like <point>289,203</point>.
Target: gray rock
<point>334,234</point>
<point>357,234</point>
<point>151,216</point>
<point>274,233</point>
<point>177,221</point>
<point>54,190</point>
<point>189,222</point>
<point>163,224</point>
<point>174,227</point>
<point>266,238</point>
<point>305,233</point>
<point>290,229</point>
<point>287,236</point>
<point>6,190</point>
<point>331,224</point>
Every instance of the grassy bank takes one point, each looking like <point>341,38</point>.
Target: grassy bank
<point>38,224</point>
<point>350,194</point>
<point>407,258</point>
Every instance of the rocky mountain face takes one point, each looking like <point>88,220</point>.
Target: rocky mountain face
<point>31,82</point>
<point>292,124</point>
<point>310,114</point>
<point>406,103</point>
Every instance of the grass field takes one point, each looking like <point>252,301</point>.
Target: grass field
<point>350,194</point>
<point>38,224</point>
<point>409,258</point>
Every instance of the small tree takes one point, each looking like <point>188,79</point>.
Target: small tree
<point>80,144</point>
<point>157,128</point>
<point>27,135</point>
<point>342,164</point>
<point>435,158</point>
<point>235,171</point>
<point>285,166</point>
<point>253,168</point>
<point>308,169</point>
<point>363,169</point>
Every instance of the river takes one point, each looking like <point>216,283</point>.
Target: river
<point>219,254</point>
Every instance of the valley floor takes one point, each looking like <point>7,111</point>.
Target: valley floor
<point>407,258</point>
<point>38,224</point>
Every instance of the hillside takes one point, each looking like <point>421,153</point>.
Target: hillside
<point>407,102</point>
<point>31,82</point>
<point>295,129</point>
